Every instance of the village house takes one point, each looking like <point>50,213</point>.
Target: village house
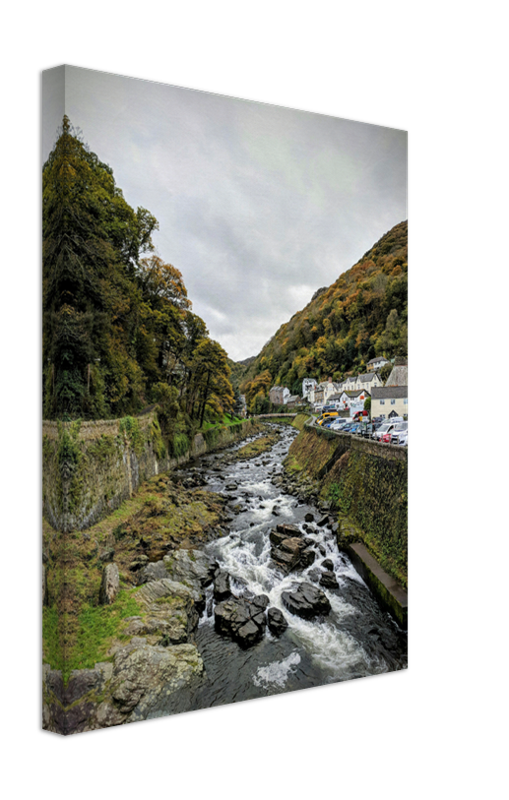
<point>389,401</point>
<point>368,381</point>
<point>376,363</point>
<point>307,385</point>
<point>278,395</point>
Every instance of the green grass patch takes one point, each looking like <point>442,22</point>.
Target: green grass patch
<point>52,648</point>
<point>225,421</point>
<point>97,627</point>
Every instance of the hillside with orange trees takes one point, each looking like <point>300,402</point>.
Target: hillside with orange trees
<point>363,314</point>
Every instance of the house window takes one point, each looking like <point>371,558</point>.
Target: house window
<point>382,402</point>
<point>393,402</point>
<point>405,401</point>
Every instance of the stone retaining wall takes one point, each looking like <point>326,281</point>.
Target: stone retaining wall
<point>366,484</point>
<point>90,468</point>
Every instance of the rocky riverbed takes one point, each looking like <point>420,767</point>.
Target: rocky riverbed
<point>257,600</point>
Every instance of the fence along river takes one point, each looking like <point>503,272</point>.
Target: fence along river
<point>356,639</point>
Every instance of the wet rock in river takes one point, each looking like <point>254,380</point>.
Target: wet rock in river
<point>306,601</point>
<point>240,619</point>
<point>290,552</point>
<point>222,588</point>
<point>276,621</point>
<point>309,518</point>
<point>327,564</point>
<point>328,580</point>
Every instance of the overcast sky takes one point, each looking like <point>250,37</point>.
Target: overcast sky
<point>258,205</point>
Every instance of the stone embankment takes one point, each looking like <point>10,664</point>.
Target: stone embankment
<point>90,468</point>
<point>363,484</point>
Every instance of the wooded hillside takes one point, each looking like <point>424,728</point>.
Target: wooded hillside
<point>363,314</point>
<point>118,330</point>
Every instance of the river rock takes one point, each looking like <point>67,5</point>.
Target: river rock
<point>288,529</point>
<point>276,621</point>
<point>173,609</point>
<point>192,567</point>
<point>306,601</point>
<point>309,518</point>
<point>110,584</point>
<point>141,671</point>
<point>152,572</point>
<point>240,619</point>
<point>292,553</point>
<point>323,521</point>
<point>222,588</point>
<point>327,564</point>
<point>328,580</point>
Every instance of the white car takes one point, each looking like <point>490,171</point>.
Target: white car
<point>387,427</point>
<point>338,424</point>
<point>399,432</point>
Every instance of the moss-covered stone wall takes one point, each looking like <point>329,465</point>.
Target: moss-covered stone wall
<point>90,468</point>
<point>366,484</point>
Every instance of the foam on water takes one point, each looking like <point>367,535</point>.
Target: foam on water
<point>276,673</point>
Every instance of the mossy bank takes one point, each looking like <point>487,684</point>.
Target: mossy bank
<point>364,484</point>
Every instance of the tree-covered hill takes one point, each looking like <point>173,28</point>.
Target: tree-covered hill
<point>118,330</point>
<point>363,314</point>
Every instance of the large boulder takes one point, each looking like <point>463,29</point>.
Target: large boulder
<point>222,588</point>
<point>276,621</point>
<point>192,567</point>
<point>293,553</point>
<point>173,611</point>
<point>306,601</point>
<point>241,619</point>
<point>152,572</point>
<point>141,672</point>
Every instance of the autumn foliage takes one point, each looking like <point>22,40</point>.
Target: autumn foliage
<point>363,314</point>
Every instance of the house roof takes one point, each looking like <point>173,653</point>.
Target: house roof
<point>356,393</point>
<point>389,392</point>
<point>367,377</point>
<point>378,358</point>
<point>398,376</point>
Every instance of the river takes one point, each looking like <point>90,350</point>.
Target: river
<point>358,638</point>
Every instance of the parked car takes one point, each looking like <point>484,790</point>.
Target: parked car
<point>337,424</point>
<point>364,429</point>
<point>401,429</point>
<point>384,429</point>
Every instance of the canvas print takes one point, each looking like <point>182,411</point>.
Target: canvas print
<point>224,400</point>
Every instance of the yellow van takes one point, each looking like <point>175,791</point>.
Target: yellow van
<point>327,415</point>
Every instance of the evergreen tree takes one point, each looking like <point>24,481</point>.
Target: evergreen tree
<point>91,242</point>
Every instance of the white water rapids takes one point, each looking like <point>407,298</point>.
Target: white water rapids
<point>357,638</point>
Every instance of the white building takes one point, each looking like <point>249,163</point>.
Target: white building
<point>307,385</point>
<point>376,363</point>
<point>389,401</point>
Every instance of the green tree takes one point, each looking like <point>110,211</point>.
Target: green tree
<point>92,240</point>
